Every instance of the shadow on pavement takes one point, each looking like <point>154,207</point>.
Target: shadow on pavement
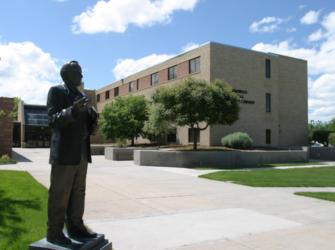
<point>19,158</point>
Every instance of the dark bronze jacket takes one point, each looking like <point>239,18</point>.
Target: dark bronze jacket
<point>67,139</point>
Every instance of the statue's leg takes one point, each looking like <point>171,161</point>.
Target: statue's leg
<point>61,181</point>
<point>76,207</point>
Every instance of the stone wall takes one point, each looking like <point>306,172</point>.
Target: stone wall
<point>322,153</point>
<point>218,158</point>
<point>6,126</point>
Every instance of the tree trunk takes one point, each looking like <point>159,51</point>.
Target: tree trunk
<point>194,138</point>
<point>132,142</point>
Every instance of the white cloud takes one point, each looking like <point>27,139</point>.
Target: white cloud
<point>190,46</point>
<point>116,15</point>
<point>302,6</point>
<point>310,17</point>
<point>321,67</point>
<point>26,71</point>
<point>316,36</point>
<point>129,66</point>
<point>267,24</point>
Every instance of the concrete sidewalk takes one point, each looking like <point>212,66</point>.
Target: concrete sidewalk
<point>155,208</point>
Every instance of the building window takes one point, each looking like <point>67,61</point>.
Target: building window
<point>267,68</point>
<point>98,97</point>
<point>268,136</point>
<point>172,73</point>
<point>194,65</point>
<point>268,102</point>
<point>191,133</point>
<point>133,86</point>
<point>107,95</point>
<point>116,91</point>
<point>154,78</point>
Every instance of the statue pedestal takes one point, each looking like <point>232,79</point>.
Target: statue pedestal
<point>98,243</point>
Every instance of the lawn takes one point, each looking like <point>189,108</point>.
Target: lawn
<point>329,196</point>
<point>303,177</point>
<point>269,165</point>
<point>23,210</point>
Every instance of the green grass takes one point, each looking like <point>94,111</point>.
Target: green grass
<point>292,164</point>
<point>270,165</point>
<point>329,196</point>
<point>303,177</point>
<point>23,210</point>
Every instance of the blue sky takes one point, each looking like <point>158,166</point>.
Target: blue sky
<point>114,38</point>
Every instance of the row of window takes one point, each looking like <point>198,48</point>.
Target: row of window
<point>194,67</point>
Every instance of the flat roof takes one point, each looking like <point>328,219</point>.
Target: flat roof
<point>119,82</point>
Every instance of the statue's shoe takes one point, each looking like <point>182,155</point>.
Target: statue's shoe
<point>59,239</point>
<point>80,232</point>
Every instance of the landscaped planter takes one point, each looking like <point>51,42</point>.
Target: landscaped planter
<point>323,153</point>
<point>217,158</point>
<point>121,154</point>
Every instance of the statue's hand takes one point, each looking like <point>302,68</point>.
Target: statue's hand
<point>79,106</point>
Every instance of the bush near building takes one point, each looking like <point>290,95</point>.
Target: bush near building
<point>238,140</point>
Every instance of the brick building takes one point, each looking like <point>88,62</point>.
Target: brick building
<point>272,88</point>
<point>6,126</point>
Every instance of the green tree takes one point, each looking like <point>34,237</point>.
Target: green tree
<point>124,118</point>
<point>321,136</point>
<point>158,124</point>
<point>198,104</point>
<point>331,139</point>
<point>13,114</point>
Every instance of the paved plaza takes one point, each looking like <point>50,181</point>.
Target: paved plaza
<point>156,208</point>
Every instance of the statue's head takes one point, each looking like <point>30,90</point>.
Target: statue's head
<point>71,73</point>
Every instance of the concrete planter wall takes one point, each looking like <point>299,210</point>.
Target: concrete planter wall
<point>121,154</point>
<point>323,153</point>
<point>217,158</point>
<point>97,149</point>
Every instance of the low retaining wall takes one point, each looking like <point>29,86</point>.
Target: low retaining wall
<point>322,153</point>
<point>217,158</point>
<point>97,149</point>
<point>119,154</point>
<point>122,154</point>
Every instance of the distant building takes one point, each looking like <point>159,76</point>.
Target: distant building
<point>6,126</point>
<point>272,88</point>
<point>32,128</point>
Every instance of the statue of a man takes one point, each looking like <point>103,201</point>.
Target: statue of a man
<point>72,121</point>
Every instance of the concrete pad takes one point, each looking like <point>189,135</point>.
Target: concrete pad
<point>167,231</point>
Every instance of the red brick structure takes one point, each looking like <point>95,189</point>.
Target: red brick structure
<point>6,126</point>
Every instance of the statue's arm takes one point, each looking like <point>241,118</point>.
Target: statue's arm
<point>58,118</point>
<point>93,120</point>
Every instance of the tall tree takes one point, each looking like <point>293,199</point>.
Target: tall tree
<point>124,118</point>
<point>158,124</point>
<point>198,104</point>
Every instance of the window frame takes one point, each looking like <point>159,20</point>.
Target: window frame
<point>154,79</point>
<point>173,75</point>
<point>197,65</point>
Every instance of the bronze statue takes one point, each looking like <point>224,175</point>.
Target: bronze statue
<point>72,121</point>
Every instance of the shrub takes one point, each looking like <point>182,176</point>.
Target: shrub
<point>5,159</point>
<point>238,140</point>
<point>331,139</point>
